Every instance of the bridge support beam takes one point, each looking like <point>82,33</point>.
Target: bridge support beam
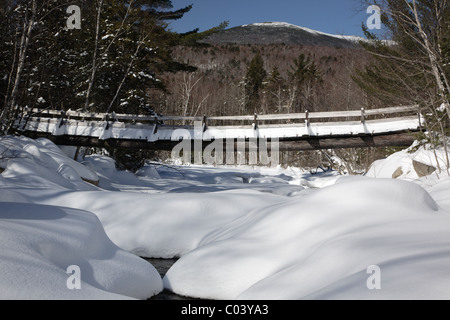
<point>298,144</point>
<point>402,139</point>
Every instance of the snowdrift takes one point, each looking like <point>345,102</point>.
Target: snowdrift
<point>411,163</point>
<point>41,163</point>
<point>162,225</point>
<point>321,244</point>
<point>39,243</point>
<point>240,233</point>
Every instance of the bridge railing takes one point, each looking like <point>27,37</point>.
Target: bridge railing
<point>256,119</point>
<point>363,115</point>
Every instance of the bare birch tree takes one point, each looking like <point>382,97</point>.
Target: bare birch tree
<point>99,5</point>
<point>413,68</point>
<point>29,19</point>
<point>419,22</point>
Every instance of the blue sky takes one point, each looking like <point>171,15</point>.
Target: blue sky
<point>343,17</point>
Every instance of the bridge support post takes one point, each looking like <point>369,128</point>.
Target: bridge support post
<point>107,121</point>
<point>420,122</point>
<point>22,116</point>
<point>63,115</point>
<point>205,123</point>
<point>155,127</point>
<point>363,115</point>
<point>255,124</point>
<point>307,124</point>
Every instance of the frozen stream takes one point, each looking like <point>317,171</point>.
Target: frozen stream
<point>243,233</point>
<point>162,266</point>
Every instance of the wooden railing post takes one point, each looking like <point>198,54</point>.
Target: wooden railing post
<point>420,120</point>
<point>25,110</point>
<point>155,127</point>
<point>205,123</point>
<point>107,121</point>
<point>256,122</point>
<point>63,114</point>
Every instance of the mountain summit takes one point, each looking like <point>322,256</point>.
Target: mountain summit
<point>267,33</point>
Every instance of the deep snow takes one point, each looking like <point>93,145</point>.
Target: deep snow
<point>302,247</point>
<point>39,243</point>
<point>240,233</point>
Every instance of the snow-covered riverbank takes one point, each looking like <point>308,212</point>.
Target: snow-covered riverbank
<point>240,233</point>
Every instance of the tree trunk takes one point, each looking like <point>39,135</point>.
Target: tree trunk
<point>28,26</point>
<point>94,59</point>
<point>130,65</point>
<point>434,61</point>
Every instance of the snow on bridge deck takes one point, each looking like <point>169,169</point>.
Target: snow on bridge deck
<point>153,132</point>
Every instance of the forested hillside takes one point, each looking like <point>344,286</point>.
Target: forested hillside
<point>243,79</point>
<point>290,78</point>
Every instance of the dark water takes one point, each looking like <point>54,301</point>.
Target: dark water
<point>162,266</point>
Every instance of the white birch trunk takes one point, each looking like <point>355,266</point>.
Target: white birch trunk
<point>28,26</point>
<point>94,59</point>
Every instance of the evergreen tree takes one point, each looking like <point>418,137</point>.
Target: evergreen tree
<point>254,79</point>
<point>18,18</point>
<point>304,77</point>
<point>108,65</point>
<point>275,91</point>
<point>6,50</point>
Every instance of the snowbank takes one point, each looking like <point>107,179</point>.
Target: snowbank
<point>109,177</point>
<point>40,162</point>
<point>403,164</point>
<point>323,240</point>
<point>39,243</point>
<point>161,225</point>
<point>241,233</point>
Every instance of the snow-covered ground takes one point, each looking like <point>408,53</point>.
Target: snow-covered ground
<point>240,233</point>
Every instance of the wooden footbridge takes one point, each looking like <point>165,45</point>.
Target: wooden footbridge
<point>298,131</point>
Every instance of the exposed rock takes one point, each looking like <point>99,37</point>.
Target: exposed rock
<point>93,182</point>
<point>397,173</point>
<point>422,169</point>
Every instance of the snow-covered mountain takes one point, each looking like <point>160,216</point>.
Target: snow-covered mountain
<point>280,33</point>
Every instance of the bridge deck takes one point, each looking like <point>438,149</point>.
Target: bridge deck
<point>151,133</point>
